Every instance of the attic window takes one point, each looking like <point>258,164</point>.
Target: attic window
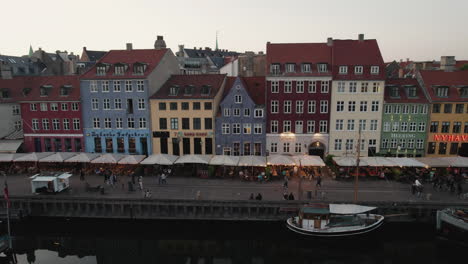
<point>394,91</point>
<point>45,90</point>
<point>173,90</point>
<point>464,92</point>
<point>275,68</point>
<point>65,90</point>
<point>206,89</point>
<point>26,91</point>
<point>101,70</point>
<point>188,90</point>
<point>139,68</point>
<point>322,67</point>
<point>411,91</point>
<point>5,93</point>
<point>120,68</point>
<point>442,91</point>
<point>290,67</point>
<point>306,67</point>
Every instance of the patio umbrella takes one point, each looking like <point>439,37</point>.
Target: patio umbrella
<point>132,159</point>
<point>252,161</point>
<point>194,158</point>
<point>160,159</point>
<point>224,160</point>
<point>281,160</point>
<point>58,157</point>
<point>83,158</point>
<point>108,159</point>
<point>32,157</point>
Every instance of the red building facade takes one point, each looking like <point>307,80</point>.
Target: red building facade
<point>51,114</point>
<point>299,77</point>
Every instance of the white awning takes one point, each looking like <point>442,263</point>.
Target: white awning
<point>348,161</point>
<point>108,159</point>
<point>35,156</point>
<point>58,157</point>
<point>132,159</point>
<point>224,160</point>
<point>434,162</point>
<point>458,162</point>
<point>377,162</point>
<point>83,157</point>
<point>281,160</point>
<point>349,209</point>
<point>308,160</point>
<point>160,159</point>
<point>10,146</point>
<point>252,161</point>
<point>44,179</point>
<point>406,162</point>
<point>200,159</point>
<point>65,176</point>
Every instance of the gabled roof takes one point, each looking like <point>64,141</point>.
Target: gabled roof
<point>16,85</point>
<point>202,53</point>
<point>197,81</point>
<point>453,80</point>
<point>355,52</point>
<point>255,87</point>
<point>54,84</point>
<point>402,85</point>
<point>298,53</point>
<point>150,57</point>
<point>94,55</point>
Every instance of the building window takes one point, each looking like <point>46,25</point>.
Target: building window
<point>162,106</point>
<point>208,123</point>
<point>445,127</point>
<point>236,112</point>
<point>55,124</point>
<point>118,123</point>
<point>396,109</point>
<point>117,103</point>
<point>66,124</point>
<point>287,107</point>
<point>140,86</point>
<point>258,128</point>
<point>299,107</point>
<point>172,106</point>
<point>436,108</point>
<point>298,148</point>
<point>96,123</point>
<point>106,104</point>
<point>53,107</point>
<point>341,87</point>
<point>322,67</point>
<point>431,148</point>
<point>363,106</point>
<point>395,126</point>
<point>274,87</point>
<point>64,106</point>
<point>286,147</point>
<point>414,109</point>
<point>386,127</point>
<point>93,87</point>
<point>247,128</point>
<point>312,87</point>
<point>107,123</point>
<point>238,99</point>
<point>105,86</point>
<point>343,70</point>
<point>226,111</point>
<point>162,123</point>
<point>95,104</point>
<point>185,123</point>
<point>286,126</point>
<point>412,91</point>
<point>323,126</point>
<point>142,122</point>
<point>227,151</point>
<point>274,106</point>
<point>404,127</point>
<point>300,87</point>
<point>236,128</point>
<point>338,143</point>
<point>456,127</point>
<point>364,87</point>
<point>351,106</point>
<point>173,90</point>
<point>128,86</point>
<point>274,147</point>
<point>339,124</point>
<point>288,86</point>
<point>374,70</point>
<point>388,109</point>
<point>412,127</point>
<point>16,110</point>
<point>236,147</point>
<point>225,128</point>
<point>459,108</point>
<point>141,104</point>
<point>402,143</point>
<point>384,143</point>
<point>208,106</point>
<point>350,125</point>
<point>393,143</point>
<point>375,106</point>
<point>405,109</point>
<point>274,126</point>
<point>306,67</point>
<point>310,126</point>
<point>130,122</point>
<point>259,113</point>
<point>323,107</point>
<point>35,124</point>
<point>197,123</point>
<point>442,148</point>
<point>349,144</point>
<point>174,123</point>
<point>358,69</point>
<point>76,124</point>
<point>422,127</point>
<point>362,124</point>
<point>311,106</point>
<point>33,107</point>
<point>247,149</point>
<point>410,143</point>
<point>340,106</point>
<point>324,87</point>
<point>442,92</point>
<point>454,148</point>
<point>375,87</point>
<point>290,67</point>
<point>352,87</point>
<point>116,85</point>
<point>247,112</point>
<point>299,127</point>
<point>465,129</point>
<point>196,106</point>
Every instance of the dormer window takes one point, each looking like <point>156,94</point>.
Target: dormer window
<point>174,90</point>
<point>5,93</point>
<point>442,91</point>
<point>188,90</point>
<point>394,91</point>
<point>358,69</point>
<point>322,67</point>
<point>206,89</point>
<point>26,91</point>
<point>139,68</point>
<point>343,70</point>
<point>411,91</point>
<point>44,90</point>
<point>374,70</point>
<point>306,67</point>
<point>290,67</point>
<point>275,68</point>
<point>120,68</point>
<point>65,90</point>
<point>464,92</point>
<point>101,70</point>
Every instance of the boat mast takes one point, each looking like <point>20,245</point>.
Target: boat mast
<point>357,166</point>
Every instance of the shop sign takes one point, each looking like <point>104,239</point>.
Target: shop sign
<point>395,135</point>
<point>451,138</point>
<point>117,134</point>
<point>192,134</point>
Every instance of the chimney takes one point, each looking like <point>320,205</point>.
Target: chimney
<point>400,73</point>
<point>84,48</point>
<point>129,46</point>
<point>447,63</point>
<point>329,42</point>
<point>361,37</point>
<point>159,43</point>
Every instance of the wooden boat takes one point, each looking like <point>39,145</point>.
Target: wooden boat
<point>334,220</point>
<point>453,223</point>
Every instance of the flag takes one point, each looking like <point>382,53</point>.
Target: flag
<point>6,195</point>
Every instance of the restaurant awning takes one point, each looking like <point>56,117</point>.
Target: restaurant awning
<point>348,161</point>
<point>132,159</point>
<point>108,159</point>
<point>434,162</point>
<point>224,160</point>
<point>83,157</point>
<point>252,161</point>
<point>281,160</point>
<point>10,146</point>
<point>32,157</point>
<point>308,160</point>
<point>160,159</point>
<point>58,157</point>
<point>457,162</point>
<point>406,162</point>
<point>377,162</point>
<point>194,158</point>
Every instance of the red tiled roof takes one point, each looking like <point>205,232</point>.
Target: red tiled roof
<point>453,80</point>
<point>197,81</point>
<point>401,84</point>
<point>355,52</point>
<point>151,57</point>
<point>256,88</point>
<point>56,83</point>
<point>460,63</point>
<point>229,83</point>
<point>16,85</point>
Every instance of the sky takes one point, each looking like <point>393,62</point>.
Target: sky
<point>415,29</point>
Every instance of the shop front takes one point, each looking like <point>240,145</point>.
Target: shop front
<point>123,141</point>
<point>291,143</point>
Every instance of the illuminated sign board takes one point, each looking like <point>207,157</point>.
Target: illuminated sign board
<point>451,138</point>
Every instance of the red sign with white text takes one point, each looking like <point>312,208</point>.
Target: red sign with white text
<point>451,138</point>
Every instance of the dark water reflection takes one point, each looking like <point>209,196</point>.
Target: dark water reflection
<point>186,242</point>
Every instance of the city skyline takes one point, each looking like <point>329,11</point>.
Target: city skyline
<point>401,29</point>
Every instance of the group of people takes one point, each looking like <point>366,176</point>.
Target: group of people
<point>452,182</point>
<point>258,197</point>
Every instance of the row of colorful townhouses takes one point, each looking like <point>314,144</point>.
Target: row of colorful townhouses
<point>316,98</point>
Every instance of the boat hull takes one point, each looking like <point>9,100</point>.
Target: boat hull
<point>330,233</point>
<point>452,227</point>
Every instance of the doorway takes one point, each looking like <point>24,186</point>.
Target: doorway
<point>317,149</point>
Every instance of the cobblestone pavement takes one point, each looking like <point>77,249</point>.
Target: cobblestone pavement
<point>228,189</point>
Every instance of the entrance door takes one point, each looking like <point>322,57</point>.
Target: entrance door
<point>317,149</point>
<point>144,146</point>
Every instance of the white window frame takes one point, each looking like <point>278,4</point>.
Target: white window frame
<point>323,126</point>
<point>116,86</point>
<point>374,69</point>
<point>287,107</point>
<point>358,70</point>
<point>310,126</point>
<point>299,107</point>
<point>299,86</point>
<point>311,106</point>
<point>299,127</point>
<point>274,106</point>
<point>286,126</point>
<point>343,70</point>
<point>274,126</point>
<point>118,123</point>
<point>225,129</point>
<point>312,87</point>
<point>274,86</point>
<point>287,86</point>
<point>323,106</point>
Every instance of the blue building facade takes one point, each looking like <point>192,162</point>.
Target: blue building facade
<point>116,116</point>
<point>240,123</point>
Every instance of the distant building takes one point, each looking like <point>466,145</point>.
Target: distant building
<point>203,61</point>
<point>58,63</point>
<point>248,64</point>
<point>241,118</point>
<point>12,66</point>
<point>88,59</point>
<point>183,112</point>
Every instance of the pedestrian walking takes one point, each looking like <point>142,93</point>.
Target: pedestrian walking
<point>251,196</point>
<point>291,196</point>
<point>163,178</point>
<point>140,182</point>
<point>319,181</point>
<point>285,185</point>
<point>285,196</point>
<point>418,186</point>
<point>198,195</point>
<point>259,197</point>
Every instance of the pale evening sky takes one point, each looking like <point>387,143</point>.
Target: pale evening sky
<point>416,29</point>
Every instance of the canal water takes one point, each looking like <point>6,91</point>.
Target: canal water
<point>215,242</point>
